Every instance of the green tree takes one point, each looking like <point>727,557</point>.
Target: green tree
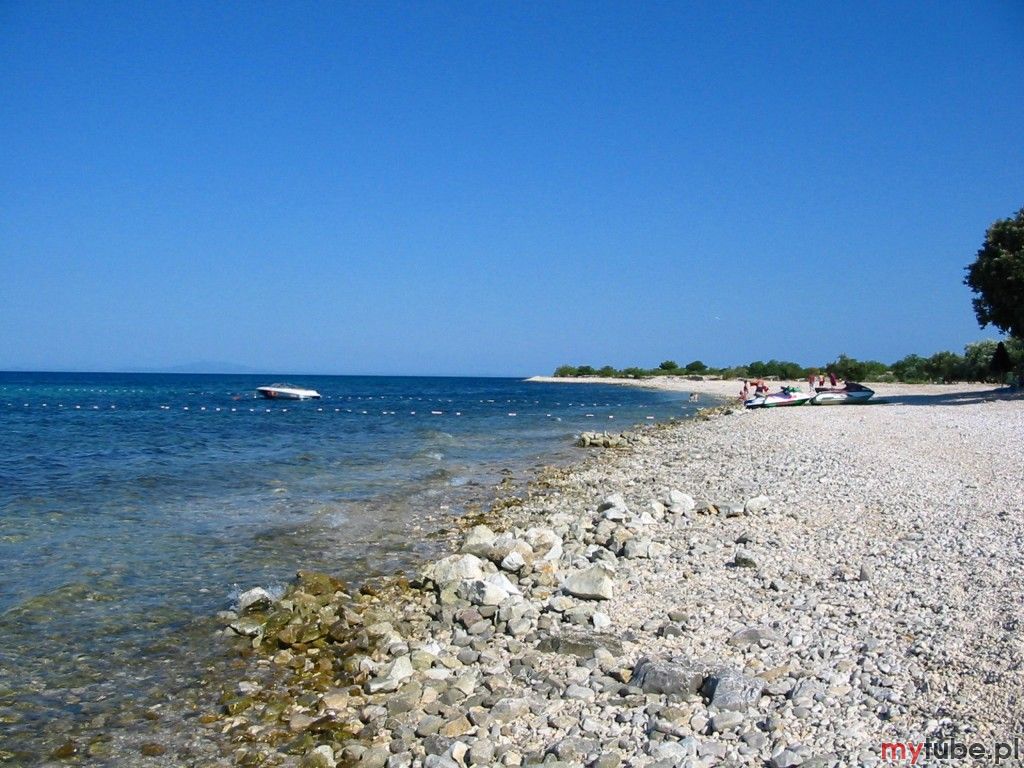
<point>912,369</point>
<point>997,276</point>
<point>786,369</point>
<point>669,365</point>
<point>757,369</point>
<point>585,370</point>
<point>696,367</point>
<point>607,371</point>
<point>566,370</point>
<point>634,373</point>
<point>946,366</point>
<point>851,369</point>
<point>977,364</point>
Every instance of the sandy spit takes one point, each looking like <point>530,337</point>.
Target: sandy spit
<point>732,387</point>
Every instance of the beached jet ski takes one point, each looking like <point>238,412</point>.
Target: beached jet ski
<point>788,396</point>
<point>851,392</point>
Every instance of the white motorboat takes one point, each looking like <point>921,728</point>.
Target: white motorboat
<point>851,392</point>
<point>788,396</point>
<point>287,392</point>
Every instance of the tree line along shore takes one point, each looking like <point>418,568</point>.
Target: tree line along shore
<point>982,361</point>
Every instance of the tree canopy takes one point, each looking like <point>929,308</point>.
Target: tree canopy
<point>997,276</point>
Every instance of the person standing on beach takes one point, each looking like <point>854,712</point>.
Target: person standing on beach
<point>832,378</point>
<point>810,383</point>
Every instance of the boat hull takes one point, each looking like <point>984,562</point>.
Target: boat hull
<point>842,396</point>
<point>287,393</point>
<point>777,401</point>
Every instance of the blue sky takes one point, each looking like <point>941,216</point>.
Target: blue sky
<point>498,188</point>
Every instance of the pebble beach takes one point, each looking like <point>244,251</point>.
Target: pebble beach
<point>792,587</point>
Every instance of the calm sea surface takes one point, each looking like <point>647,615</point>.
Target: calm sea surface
<point>135,506</point>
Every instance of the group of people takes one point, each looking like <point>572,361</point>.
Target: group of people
<point>760,388</point>
<point>832,380</point>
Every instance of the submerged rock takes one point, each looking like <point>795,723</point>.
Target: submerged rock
<point>255,599</point>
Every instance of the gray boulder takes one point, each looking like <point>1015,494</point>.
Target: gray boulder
<point>255,599</point>
<point>592,584</point>
<point>731,690</point>
<point>756,504</point>
<point>579,643</point>
<point>455,568</point>
<point>678,676</point>
<point>479,541</point>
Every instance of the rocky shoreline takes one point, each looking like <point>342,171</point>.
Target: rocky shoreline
<point>766,589</point>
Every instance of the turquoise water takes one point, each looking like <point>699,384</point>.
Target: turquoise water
<point>133,507</point>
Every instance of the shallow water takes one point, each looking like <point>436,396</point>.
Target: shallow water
<point>133,507</point>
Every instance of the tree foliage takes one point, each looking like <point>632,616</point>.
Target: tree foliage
<point>997,277</point>
<point>851,369</point>
<point>981,361</point>
<point>669,365</point>
<point>1001,363</point>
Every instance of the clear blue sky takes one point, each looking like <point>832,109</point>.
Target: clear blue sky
<point>498,188</point>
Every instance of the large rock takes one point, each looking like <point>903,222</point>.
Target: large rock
<point>678,502</point>
<point>509,709</point>
<point>678,676</point>
<point>513,562</point>
<point>614,508</point>
<point>547,545</point>
<point>319,757</point>
<point>592,584</point>
<point>753,636</point>
<point>503,582</point>
<point>316,583</point>
<point>479,541</point>
<point>480,592</point>
<point>732,690</point>
<point>580,643</point>
<point>756,504</point>
<point>392,676</point>
<point>730,508</point>
<point>744,558</point>
<point>255,599</point>
<point>455,568</point>
<point>602,440</point>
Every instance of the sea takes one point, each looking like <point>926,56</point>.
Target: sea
<point>134,507</point>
